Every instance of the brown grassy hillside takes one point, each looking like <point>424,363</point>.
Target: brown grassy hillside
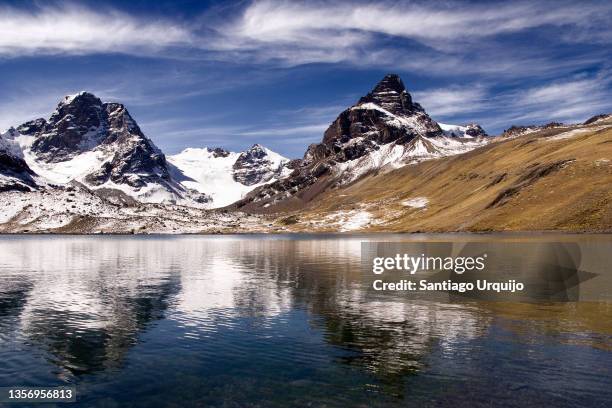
<point>555,179</point>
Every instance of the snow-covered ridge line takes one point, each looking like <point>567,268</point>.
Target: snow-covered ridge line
<point>392,156</point>
<point>468,131</point>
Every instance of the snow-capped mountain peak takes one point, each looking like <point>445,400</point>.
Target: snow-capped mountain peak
<point>258,165</point>
<point>101,146</point>
<point>385,129</point>
<point>69,99</point>
<point>76,125</point>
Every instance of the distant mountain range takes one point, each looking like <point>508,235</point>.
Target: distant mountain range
<point>90,168</point>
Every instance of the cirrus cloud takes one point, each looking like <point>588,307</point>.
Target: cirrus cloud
<point>70,29</point>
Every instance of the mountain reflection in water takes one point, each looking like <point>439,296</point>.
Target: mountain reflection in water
<point>261,321</point>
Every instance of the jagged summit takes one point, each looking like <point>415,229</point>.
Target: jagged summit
<point>80,123</point>
<point>386,114</point>
<point>257,165</point>
<point>391,95</point>
<point>82,97</point>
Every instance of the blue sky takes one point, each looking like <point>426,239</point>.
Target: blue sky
<point>196,73</point>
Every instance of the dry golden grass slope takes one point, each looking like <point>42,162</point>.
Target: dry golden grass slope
<point>556,179</point>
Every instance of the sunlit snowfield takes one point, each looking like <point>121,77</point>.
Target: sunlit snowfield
<point>275,322</point>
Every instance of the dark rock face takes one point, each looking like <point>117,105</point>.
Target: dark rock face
<point>475,130</point>
<point>386,114</point>
<point>595,118</point>
<point>15,174</point>
<point>391,95</point>
<point>220,152</point>
<point>32,127</point>
<point>136,160</point>
<point>83,123</point>
<point>74,127</point>
<point>254,166</point>
<point>552,125</point>
<point>135,164</point>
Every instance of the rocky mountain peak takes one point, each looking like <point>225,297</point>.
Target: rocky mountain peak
<point>257,165</point>
<point>219,152</point>
<point>74,126</point>
<point>256,151</point>
<point>385,128</point>
<point>387,114</point>
<point>475,130</point>
<point>123,157</point>
<point>80,99</point>
<point>598,118</point>
<point>81,110</point>
<point>391,95</point>
<point>80,123</point>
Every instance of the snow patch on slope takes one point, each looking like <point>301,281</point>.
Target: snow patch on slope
<point>412,122</point>
<point>392,156</point>
<point>574,132</point>
<point>351,220</point>
<point>65,171</point>
<point>416,202</point>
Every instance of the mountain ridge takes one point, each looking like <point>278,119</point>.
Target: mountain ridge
<point>99,145</point>
<point>382,165</point>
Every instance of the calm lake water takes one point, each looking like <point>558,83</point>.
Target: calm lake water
<point>260,321</point>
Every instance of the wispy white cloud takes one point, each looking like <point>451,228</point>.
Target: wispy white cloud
<point>568,100</point>
<point>304,32</point>
<point>446,39</point>
<point>69,29</point>
<point>445,35</point>
<point>279,21</point>
<point>453,100</point>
